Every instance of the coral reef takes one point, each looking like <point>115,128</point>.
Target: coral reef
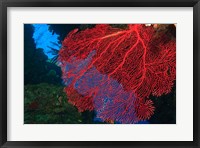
<point>47,104</point>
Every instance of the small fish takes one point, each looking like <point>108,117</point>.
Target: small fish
<point>60,100</point>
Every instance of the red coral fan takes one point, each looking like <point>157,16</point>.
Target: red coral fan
<point>144,109</point>
<point>119,69</point>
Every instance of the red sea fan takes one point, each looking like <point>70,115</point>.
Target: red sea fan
<point>118,70</point>
<point>144,109</point>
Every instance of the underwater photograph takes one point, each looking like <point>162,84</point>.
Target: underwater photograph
<point>99,73</point>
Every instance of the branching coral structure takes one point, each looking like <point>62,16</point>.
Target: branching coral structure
<point>114,71</point>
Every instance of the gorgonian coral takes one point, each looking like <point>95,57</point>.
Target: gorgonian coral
<point>114,71</point>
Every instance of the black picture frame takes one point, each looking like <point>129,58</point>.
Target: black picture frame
<point>4,4</point>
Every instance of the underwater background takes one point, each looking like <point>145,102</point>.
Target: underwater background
<point>45,101</point>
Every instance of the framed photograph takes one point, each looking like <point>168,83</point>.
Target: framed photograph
<point>105,73</point>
